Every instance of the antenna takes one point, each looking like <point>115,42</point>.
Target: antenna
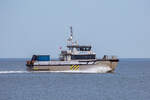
<point>71,29</point>
<point>71,35</point>
<point>70,39</point>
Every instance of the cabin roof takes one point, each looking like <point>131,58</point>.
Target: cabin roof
<point>79,46</point>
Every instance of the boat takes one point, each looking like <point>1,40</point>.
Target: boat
<point>76,59</point>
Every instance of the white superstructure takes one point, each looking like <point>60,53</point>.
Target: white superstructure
<point>75,51</point>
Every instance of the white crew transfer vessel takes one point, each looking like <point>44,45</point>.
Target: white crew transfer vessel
<point>77,58</point>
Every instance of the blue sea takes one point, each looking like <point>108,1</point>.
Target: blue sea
<point>130,81</point>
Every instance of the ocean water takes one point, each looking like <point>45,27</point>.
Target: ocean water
<point>130,81</point>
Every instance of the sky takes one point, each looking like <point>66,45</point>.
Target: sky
<point>112,27</point>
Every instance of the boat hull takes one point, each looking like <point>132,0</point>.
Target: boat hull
<point>97,67</point>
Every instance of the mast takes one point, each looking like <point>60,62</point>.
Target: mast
<point>70,39</point>
<point>71,32</point>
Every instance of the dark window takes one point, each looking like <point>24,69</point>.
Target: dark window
<point>81,49</point>
<point>82,57</point>
<point>84,49</point>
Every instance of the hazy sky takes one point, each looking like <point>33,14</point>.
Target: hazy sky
<point>113,27</point>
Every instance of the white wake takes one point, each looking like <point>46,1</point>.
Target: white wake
<point>91,70</point>
<point>7,72</point>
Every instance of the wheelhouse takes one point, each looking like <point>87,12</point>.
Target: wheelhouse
<point>75,51</point>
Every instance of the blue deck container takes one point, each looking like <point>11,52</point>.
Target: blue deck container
<point>43,58</point>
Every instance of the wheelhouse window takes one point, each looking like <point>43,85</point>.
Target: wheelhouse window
<point>73,57</point>
<point>84,49</point>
